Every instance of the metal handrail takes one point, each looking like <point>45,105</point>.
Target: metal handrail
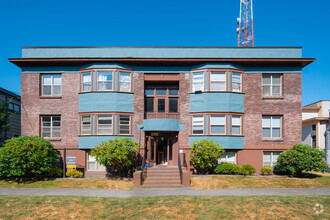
<point>143,170</point>
<point>180,168</point>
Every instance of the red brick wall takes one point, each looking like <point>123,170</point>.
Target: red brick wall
<point>255,106</point>
<point>184,110</point>
<point>67,106</point>
<point>138,107</point>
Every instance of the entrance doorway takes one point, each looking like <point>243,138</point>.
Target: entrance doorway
<point>161,147</point>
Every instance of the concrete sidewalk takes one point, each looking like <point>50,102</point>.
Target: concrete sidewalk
<point>165,192</point>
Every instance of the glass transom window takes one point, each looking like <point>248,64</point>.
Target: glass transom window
<point>51,85</point>
<point>104,81</point>
<point>271,85</point>
<point>198,81</point>
<point>198,124</point>
<point>271,126</point>
<point>218,81</point>
<point>270,159</point>
<point>218,124</point>
<point>51,126</point>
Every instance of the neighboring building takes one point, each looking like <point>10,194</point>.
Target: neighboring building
<point>13,107</point>
<point>315,122</point>
<point>247,99</point>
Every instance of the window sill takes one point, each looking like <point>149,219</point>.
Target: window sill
<point>50,97</point>
<point>217,92</point>
<point>52,139</point>
<point>272,139</point>
<point>104,91</point>
<point>272,97</point>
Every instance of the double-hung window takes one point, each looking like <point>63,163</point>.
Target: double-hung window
<point>51,85</point>
<point>218,124</point>
<point>270,159</point>
<point>124,124</point>
<point>198,81</point>
<point>86,128</point>
<point>236,82</point>
<point>86,81</point>
<point>125,82</point>
<point>228,157</point>
<point>104,124</point>
<point>271,126</point>
<point>105,81</point>
<point>271,85</point>
<point>198,124</point>
<point>51,126</point>
<point>236,124</point>
<point>218,81</point>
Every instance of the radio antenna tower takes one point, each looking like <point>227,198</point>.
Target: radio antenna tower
<point>245,22</point>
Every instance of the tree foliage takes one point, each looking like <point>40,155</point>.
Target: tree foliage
<point>4,118</point>
<point>27,158</point>
<point>301,158</point>
<point>118,155</point>
<point>204,155</point>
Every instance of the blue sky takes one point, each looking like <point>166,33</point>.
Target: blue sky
<point>166,23</point>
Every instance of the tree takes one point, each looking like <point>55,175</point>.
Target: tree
<point>4,119</point>
<point>27,158</point>
<point>118,155</point>
<point>301,158</point>
<point>204,155</point>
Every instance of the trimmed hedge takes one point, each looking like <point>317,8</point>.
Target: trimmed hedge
<point>267,171</point>
<point>74,173</point>
<point>247,169</point>
<point>227,168</point>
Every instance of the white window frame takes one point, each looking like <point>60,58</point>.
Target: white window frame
<point>272,162</point>
<point>52,85</point>
<point>129,82</point>
<point>98,167</point>
<point>236,125</point>
<point>218,81</point>
<point>271,85</point>
<point>112,81</point>
<point>87,82</point>
<point>51,127</point>
<point>214,124</point>
<point>225,158</point>
<point>104,126</point>
<point>193,86</point>
<point>271,127</point>
<point>82,130</point>
<point>201,122</point>
<point>239,84</point>
<point>120,124</point>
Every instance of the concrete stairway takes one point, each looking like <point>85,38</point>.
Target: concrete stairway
<point>162,177</point>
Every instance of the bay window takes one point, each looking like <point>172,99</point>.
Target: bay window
<point>218,81</point>
<point>104,124</point>
<point>198,81</point>
<point>236,123</point>
<point>198,124</point>
<point>86,81</point>
<point>105,81</point>
<point>124,81</point>
<point>124,124</point>
<point>236,82</point>
<point>86,128</point>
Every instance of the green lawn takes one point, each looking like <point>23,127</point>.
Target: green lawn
<point>221,182</point>
<point>177,207</point>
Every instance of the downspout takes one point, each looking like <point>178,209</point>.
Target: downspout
<point>327,143</point>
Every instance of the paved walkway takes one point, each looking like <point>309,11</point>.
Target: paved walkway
<point>165,192</point>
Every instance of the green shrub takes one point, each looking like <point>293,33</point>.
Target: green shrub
<point>267,171</point>
<point>74,173</point>
<point>55,172</point>
<point>246,169</point>
<point>204,155</point>
<point>301,158</point>
<point>27,158</point>
<point>226,168</point>
<point>118,155</point>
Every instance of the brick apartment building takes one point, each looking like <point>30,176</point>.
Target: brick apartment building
<point>247,99</point>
